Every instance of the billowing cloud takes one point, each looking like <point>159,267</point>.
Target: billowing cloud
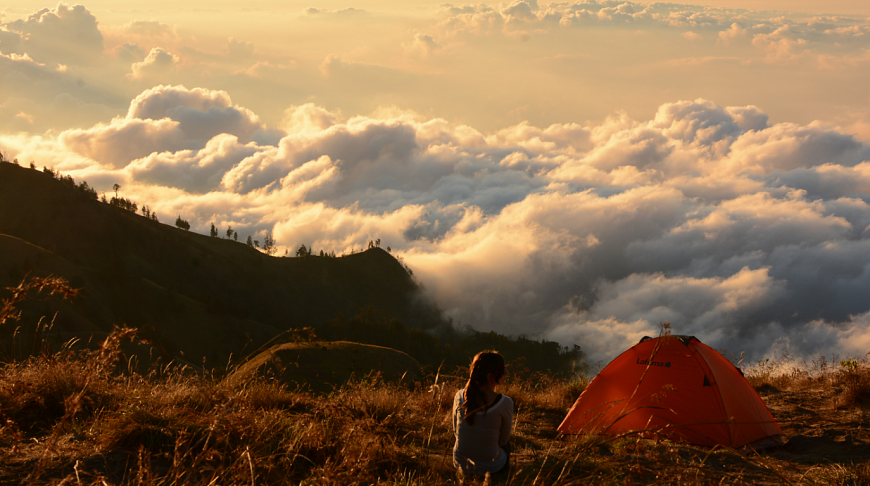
<point>733,32</point>
<point>167,118</point>
<point>158,62</point>
<point>67,34</point>
<point>530,162</point>
<point>196,171</point>
<point>422,46</point>
<point>778,38</point>
<point>712,307</point>
<point>129,53</point>
<point>739,231</point>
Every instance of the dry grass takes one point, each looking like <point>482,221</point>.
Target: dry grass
<point>82,418</point>
<point>846,382</point>
<point>72,418</point>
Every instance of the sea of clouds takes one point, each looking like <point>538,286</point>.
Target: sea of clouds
<point>753,236</point>
<point>750,235</point>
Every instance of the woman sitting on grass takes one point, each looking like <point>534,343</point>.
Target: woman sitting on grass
<point>482,418</point>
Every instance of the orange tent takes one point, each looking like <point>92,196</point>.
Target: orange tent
<point>674,387</point>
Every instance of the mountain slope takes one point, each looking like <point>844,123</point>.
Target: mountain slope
<point>196,296</point>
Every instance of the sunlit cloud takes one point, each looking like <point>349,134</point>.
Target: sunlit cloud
<point>577,172</point>
<point>67,34</point>
<point>156,63</point>
<point>705,216</point>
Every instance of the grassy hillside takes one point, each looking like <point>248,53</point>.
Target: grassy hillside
<point>202,299</point>
<point>69,418</point>
<point>202,296</point>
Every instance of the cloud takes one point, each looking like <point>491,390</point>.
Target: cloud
<point>129,53</point>
<point>196,171</point>
<point>239,50</point>
<point>423,46</point>
<point>342,12</point>
<point>712,307</point>
<point>167,119</point>
<point>53,95</point>
<point>778,38</point>
<point>66,34</point>
<point>708,217</point>
<point>309,117</point>
<point>732,33</point>
<point>781,45</point>
<point>851,337</point>
<point>150,29</point>
<point>375,79</point>
<point>158,62</point>
<point>11,42</point>
<point>521,209</point>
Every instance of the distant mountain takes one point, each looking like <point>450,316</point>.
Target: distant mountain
<point>197,296</point>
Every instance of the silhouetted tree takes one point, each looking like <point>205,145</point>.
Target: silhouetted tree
<point>269,244</point>
<point>250,242</point>
<point>235,236</point>
<point>389,249</point>
<point>378,242</point>
<point>154,217</point>
<point>124,203</point>
<point>302,251</point>
<point>229,232</point>
<point>116,187</point>
<point>146,211</point>
<point>256,243</point>
<point>214,231</point>
<point>32,165</point>
<point>182,223</point>
<point>87,190</point>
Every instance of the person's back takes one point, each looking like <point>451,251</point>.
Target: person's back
<point>479,446</point>
<point>482,418</point>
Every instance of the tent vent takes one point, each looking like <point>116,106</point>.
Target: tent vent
<point>683,339</point>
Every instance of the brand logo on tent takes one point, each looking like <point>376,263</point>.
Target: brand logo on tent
<point>660,364</point>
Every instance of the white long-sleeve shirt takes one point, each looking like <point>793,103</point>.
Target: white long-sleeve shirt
<point>477,449</point>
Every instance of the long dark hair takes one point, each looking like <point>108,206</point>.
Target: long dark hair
<point>484,363</point>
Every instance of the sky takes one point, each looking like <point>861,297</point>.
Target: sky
<point>578,172</point>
